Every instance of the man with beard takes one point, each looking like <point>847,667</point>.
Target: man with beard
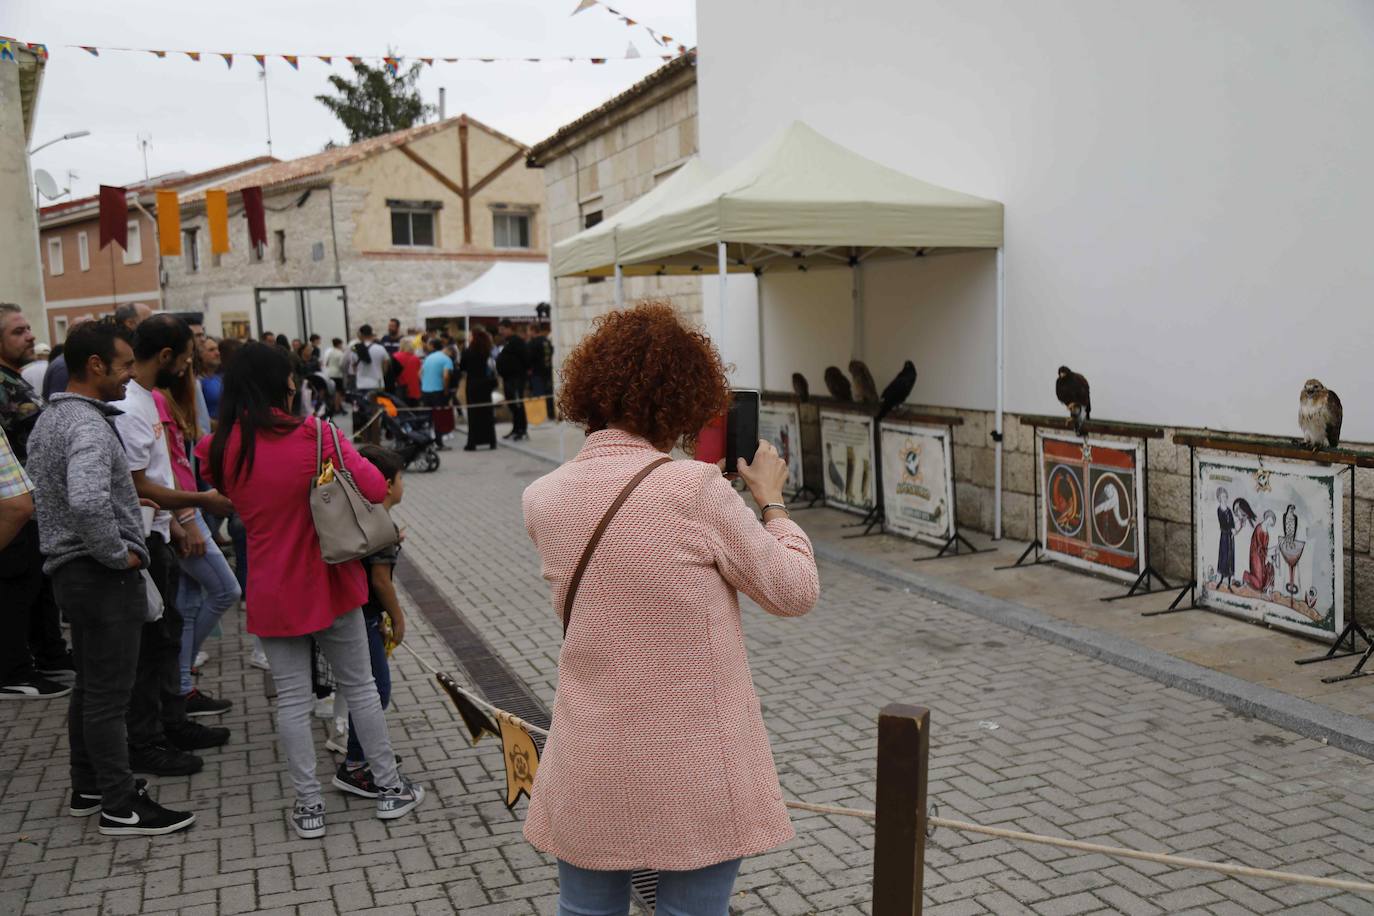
<point>160,735</point>
<point>30,613</point>
<point>130,315</point>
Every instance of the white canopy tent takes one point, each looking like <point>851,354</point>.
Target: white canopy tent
<point>509,289</point>
<point>802,200</point>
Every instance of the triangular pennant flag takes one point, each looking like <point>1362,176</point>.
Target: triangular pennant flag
<point>629,21</point>
<point>261,59</point>
<point>613,11</point>
<point>6,49</point>
<point>450,60</point>
<point>522,760</point>
<point>392,64</point>
<point>114,215</point>
<point>158,54</point>
<point>478,722</point>
<point>94,52</point>
<point>598,60</point>
<point>631,52</point>
<point>584,5</point>
<point>293,60</point>
<point>40,49</point>
<point>353,60</point>
<point>168,224</point>
<point>536,411</point>
<point>428,60</point>
<point>326,58</point>
<point>194,55</point>
<point>256,215</point>
<point>228,60</point>
<point>217,216</point>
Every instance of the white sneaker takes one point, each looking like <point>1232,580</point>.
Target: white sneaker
<point>308,820</point>
<point>201,658</point>
<point>259,660</point>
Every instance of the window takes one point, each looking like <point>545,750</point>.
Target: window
<point>83,250</point>
<point>281,245</point>
<point>593,219</point>
<point>190,249</point>
<point>412,227</point>
<point>134,253</point>
<point>59,327</point>
<point>511,230</point>
<point>54,257</point>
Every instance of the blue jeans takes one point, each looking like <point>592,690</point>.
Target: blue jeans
<point>239,535</point>
<point>207,589</point>
<point>703,892</point>
<point>381,673</point>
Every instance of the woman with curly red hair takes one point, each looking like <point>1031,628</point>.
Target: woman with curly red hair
<point>658,756</point>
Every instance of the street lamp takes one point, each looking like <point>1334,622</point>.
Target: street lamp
<point>71,136</point>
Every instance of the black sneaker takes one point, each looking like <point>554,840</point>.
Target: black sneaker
<point>192,736</point>
<point>62,665</point>
<point>33,688</point>
<point>157,760</point>
<point>144,817</point>
<point>357,781</point>
<point>199,703</point>
<point>84,804</point>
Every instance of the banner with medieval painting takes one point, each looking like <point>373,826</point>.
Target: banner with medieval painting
<point>847,450</point>
<point>918,481</point>
<point>1268,541</point>
<point>780,424</point>
<point>1092,514</point>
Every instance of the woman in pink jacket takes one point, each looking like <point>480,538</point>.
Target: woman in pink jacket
<point>658,756</point>
<point>266,458</point>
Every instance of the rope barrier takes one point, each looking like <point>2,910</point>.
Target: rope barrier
<point>1118,852</point>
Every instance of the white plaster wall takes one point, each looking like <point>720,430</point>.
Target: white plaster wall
<point>20,272</point>
<point>1188,185</point>
<point>739,341</point>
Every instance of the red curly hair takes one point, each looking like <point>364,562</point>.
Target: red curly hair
<point>644,371</point>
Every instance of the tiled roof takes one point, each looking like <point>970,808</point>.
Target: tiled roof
<point>687,61</point>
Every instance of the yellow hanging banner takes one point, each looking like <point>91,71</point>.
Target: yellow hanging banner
<point>522,760</point>
<point>217,215</point>
<point>536,412</point>
<point>168,224</point>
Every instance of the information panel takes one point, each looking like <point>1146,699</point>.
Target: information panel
<point>780,424</point>
<point>847,452</point>
<point>918,480</point>
<point>1092,506</point>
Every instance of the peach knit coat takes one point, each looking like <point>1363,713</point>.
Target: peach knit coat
<point>658,756</point>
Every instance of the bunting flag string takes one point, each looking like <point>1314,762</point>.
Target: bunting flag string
<point>391,63</point>
<point>662,39</point>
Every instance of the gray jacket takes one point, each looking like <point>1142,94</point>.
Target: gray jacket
<point>84,495</point>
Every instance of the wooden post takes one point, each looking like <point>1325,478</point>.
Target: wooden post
<point>900,835</point>
<point>467,191</point>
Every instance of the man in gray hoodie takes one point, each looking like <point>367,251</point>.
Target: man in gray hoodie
<point>91,532</point>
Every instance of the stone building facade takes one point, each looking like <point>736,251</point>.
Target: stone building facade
<point>374,228</point>
<point>597,165</point>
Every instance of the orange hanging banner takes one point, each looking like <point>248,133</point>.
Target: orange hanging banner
<point>217,215</point>
<point>168,224</point>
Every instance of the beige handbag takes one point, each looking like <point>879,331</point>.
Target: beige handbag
<point>349,527</point>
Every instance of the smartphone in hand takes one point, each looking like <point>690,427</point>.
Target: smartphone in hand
<point>733,435</point>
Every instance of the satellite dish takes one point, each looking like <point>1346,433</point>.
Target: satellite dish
<point>46,185</point>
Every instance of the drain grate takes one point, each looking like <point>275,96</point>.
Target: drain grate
<point>489,673</point>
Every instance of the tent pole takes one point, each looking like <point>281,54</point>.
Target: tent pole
<point>857,293</point>
<point>758,298</point>
<point>721,269</point>
<point>619,286</point>
<point>1001,392</point>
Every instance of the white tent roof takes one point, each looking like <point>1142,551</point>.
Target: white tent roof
<point>804,192</point>
<point>510,289</point>
<point>593,251</point>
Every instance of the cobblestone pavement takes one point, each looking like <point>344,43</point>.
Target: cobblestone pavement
<point>1080,749</point>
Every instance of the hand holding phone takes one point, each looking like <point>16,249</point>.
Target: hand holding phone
<point>766,475</point>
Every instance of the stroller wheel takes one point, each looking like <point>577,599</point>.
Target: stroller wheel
<point>431,460</point>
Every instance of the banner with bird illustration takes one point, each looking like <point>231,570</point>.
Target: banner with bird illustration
<point>780,424</point>
<point>1092,506</point>
<point>1268,535</point>
<point>918,480</point>
<point>851,475</point>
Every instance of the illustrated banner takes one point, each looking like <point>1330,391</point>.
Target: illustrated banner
<point>780,424</point>
<point>847,449</point>
<point>1092,512</point>
<point>1268,536</point>
<point>918,481</point>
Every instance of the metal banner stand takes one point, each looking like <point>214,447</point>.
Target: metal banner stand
<point>1191,588</point>
<point>1035,545</point>
<point>876,516</point>
<point>1352,630</point>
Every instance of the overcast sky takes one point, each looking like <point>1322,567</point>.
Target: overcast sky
<point>200,115</point>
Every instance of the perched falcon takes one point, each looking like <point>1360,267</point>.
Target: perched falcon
<point>800,387</point>
<point>1290,523</point>
<point>837,384</point>
<point>1320,415</point>
<point>865,389</point>
<point>1072,391</point>
<point>897,390</point>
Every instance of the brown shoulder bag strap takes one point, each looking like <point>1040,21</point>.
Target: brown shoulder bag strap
<point>596,537</point>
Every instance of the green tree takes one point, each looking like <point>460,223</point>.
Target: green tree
<point>375,102</point>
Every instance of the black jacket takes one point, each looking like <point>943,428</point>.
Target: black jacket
<point>513,360</point>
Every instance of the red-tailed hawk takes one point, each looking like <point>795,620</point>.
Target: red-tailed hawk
<point>1072,391</point>
<point>1319,415</point>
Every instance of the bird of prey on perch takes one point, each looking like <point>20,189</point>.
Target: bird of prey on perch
<point>1072,391</point>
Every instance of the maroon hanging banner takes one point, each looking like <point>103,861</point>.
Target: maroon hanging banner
<point>114,216</point>
<point>256,216</point>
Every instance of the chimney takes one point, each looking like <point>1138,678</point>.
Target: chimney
<point>442,93</point>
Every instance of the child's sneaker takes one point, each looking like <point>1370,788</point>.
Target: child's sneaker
<point>400,800</point>
<point>308,820</point>
<point>357,780</point>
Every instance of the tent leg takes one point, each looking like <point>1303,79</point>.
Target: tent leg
<point>619,286</point>
<point>1001,390</point>
<point>721,270</point>
<point>758,299</point>
<point>857,292</point>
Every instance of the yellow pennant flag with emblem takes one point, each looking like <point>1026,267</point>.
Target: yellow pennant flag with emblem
<point>168,224</point>
<point>522,760</point>
<point>536,411</point>
<point>217,215</point>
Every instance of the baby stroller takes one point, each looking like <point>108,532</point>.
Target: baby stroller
<point>411,433</point>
